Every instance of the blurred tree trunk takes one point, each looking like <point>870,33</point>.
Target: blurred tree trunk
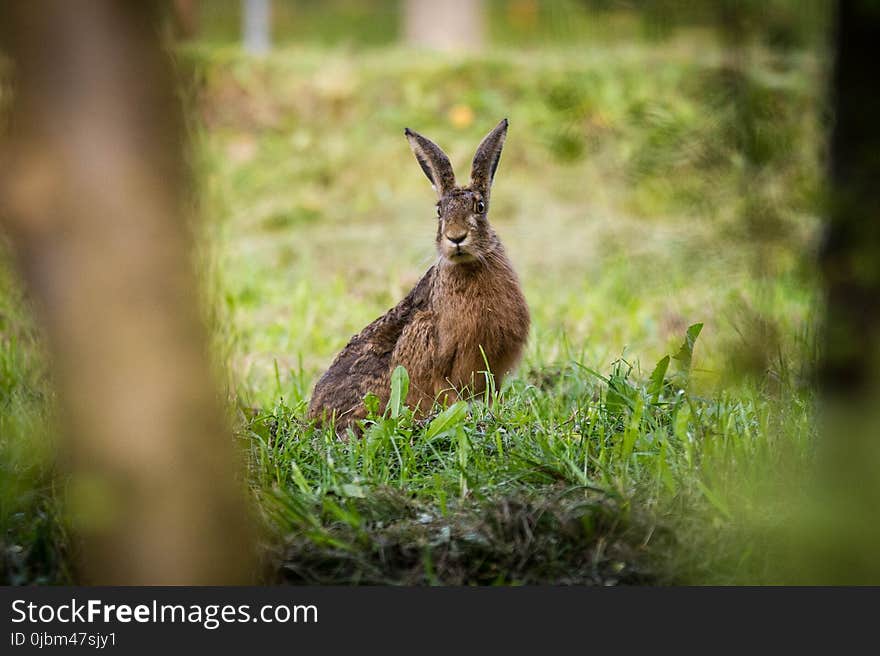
<point>186,18</point>
<point>256,26</point>
<point>92,185</point>
<point>851,253</point>
<point>846,537</point>
<point>450,25</point>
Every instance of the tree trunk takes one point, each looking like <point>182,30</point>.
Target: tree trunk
<point>451,25</point>
<point>186,18</point>
<point>92,183</point>
<point>851,255</point>
<point>256,25</point>
<point>846,538</point>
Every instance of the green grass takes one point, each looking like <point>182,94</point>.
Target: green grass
<point>576,477</point>
<point>34,542</point>
<point>642,190</point>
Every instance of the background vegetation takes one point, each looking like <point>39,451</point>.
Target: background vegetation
<point>659,195</point>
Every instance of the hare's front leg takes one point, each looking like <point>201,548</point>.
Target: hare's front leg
<point>417,351</point>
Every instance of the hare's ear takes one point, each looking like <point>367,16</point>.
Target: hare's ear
<point>433,161</point>
<point>487,158</point>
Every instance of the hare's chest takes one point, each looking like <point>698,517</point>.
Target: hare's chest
<point>469,320</point>
<point>481,329</point>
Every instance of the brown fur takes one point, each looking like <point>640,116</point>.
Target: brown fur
<point>471,298</point>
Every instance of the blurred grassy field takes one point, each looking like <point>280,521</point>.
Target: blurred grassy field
<point>643,189</point>
<point>625,198</point>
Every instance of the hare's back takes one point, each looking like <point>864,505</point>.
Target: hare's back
<point>364,365</point>
<point>361,367</point>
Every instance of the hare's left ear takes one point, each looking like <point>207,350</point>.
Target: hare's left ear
<point>433,161</point>
<point>486,159</point>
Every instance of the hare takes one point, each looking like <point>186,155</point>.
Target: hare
<point>469,303</point>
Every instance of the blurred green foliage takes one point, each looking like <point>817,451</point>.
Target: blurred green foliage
<point>781,24</point>
<point>34,545</point>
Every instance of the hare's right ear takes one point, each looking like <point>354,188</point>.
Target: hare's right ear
<point>433,161</point>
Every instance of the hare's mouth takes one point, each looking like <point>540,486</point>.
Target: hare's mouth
<point>459,256</point>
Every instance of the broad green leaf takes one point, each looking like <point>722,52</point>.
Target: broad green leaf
<point>371,401</point>
<point>446,420</point>
<point>464,450</point>
<point>663,470</point>
<point>632,431</point>
<point>620,396</point>
<point>686,352</point>
<point>399,390</point>
<point>655,385</point>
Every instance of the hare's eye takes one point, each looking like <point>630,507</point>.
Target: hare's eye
<point>479,207</point>
<point>439,212</point>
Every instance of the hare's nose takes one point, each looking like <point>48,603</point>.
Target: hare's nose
<point>457,239</point>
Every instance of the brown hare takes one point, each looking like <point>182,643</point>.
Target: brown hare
<point>467,304</point>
